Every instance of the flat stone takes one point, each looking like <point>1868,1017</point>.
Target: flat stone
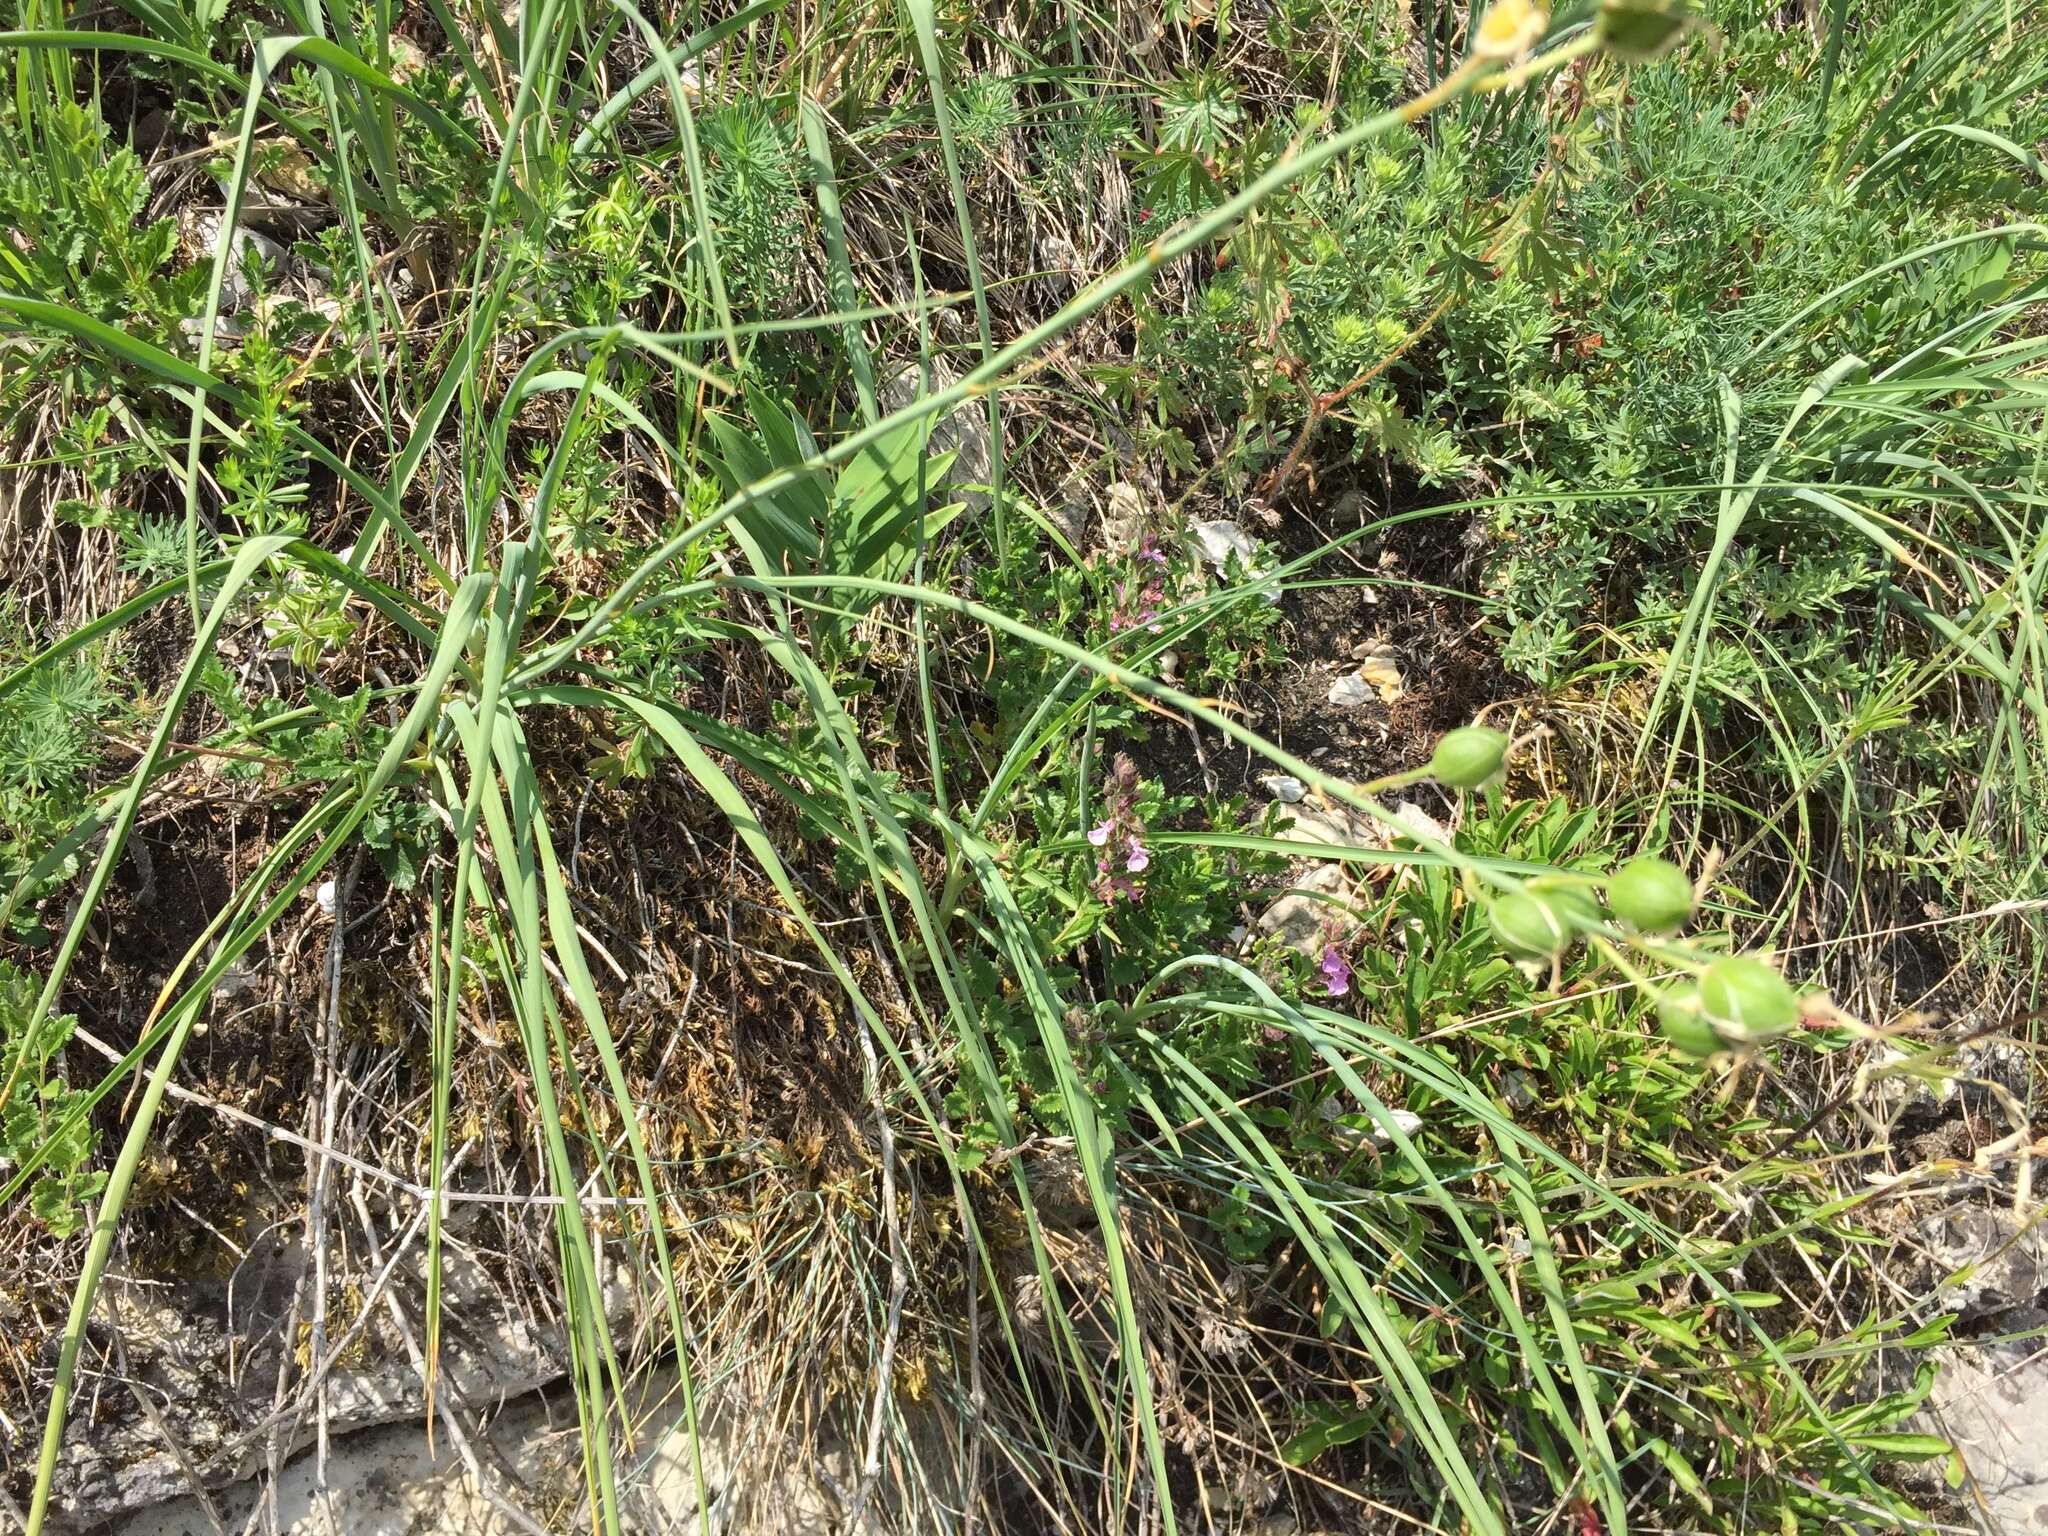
<point>1123,518</point>
<point>381,1482</point>
<point>206,1353</point>
<point>1992,1405</point>
<point>963,432</point>
<point>200,232</point>
<point>387,1482</point>
<point>1315,910</point>
<point>1989,1265</point>
<point>1220,539</point>
<point>1304,917</point>
<point>1985,1259</point>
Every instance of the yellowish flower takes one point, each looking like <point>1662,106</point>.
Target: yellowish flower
<point>1509,29</point>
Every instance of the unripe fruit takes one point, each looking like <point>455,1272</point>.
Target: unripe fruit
<point>1467,757</point>
<point>1680,1020</point>
<point>1529,927</point>
<point>1640,30</point>
<point>1571,900</point>
<point>1651,895</point>
<point>1747,1000</point>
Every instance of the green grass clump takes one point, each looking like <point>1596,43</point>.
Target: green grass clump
<point>853,517</point>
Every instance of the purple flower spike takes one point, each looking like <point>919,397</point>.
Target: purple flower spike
<point>1121,837</point>
<point>1140,599</point>
<point>1336,971</point>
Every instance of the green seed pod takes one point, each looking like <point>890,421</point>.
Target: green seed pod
<point>1467,757</point>
<point>1571,900</point>
<point>1637,30</point>
<point>1746,1000</point>
<point>1530,927</point>
<point>1651,895</point>
<point>1681,1022</point>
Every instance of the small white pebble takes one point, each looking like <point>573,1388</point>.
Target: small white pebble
<point>324,898</point>
<point>1350,691</point>
<point>1406,1120</point>
<point>1284,787</point>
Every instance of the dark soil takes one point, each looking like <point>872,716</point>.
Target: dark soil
<point>1406,588</point>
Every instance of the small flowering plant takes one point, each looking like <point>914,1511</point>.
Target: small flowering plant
<point>1121,887</point>
<point>1137,602</point>
<point>1335,971</point>
<point>1142,595</point>
<point>1316,967</point>
<point>1122,857</point>
<point>1113,897</point>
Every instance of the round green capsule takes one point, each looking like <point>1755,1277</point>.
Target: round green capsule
<point>1746,999</point>
<point>1571,900</point>
<point>1469,756</point>
<point>1640,30</point>
<point>1651,895</point>
<point>1680,1021</point>
<point>1530,927</point>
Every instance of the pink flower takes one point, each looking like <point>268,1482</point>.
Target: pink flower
<point>1123,829</point>
<point>1336,971</point>
<point>1138,604</point>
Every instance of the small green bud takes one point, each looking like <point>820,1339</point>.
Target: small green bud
<point>1468,757</point>
<point>1745,999</point>
<point>1530,927</point>
<point>1639,30</point>
<point>1682,1023</point>
<point>1651,895</point>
